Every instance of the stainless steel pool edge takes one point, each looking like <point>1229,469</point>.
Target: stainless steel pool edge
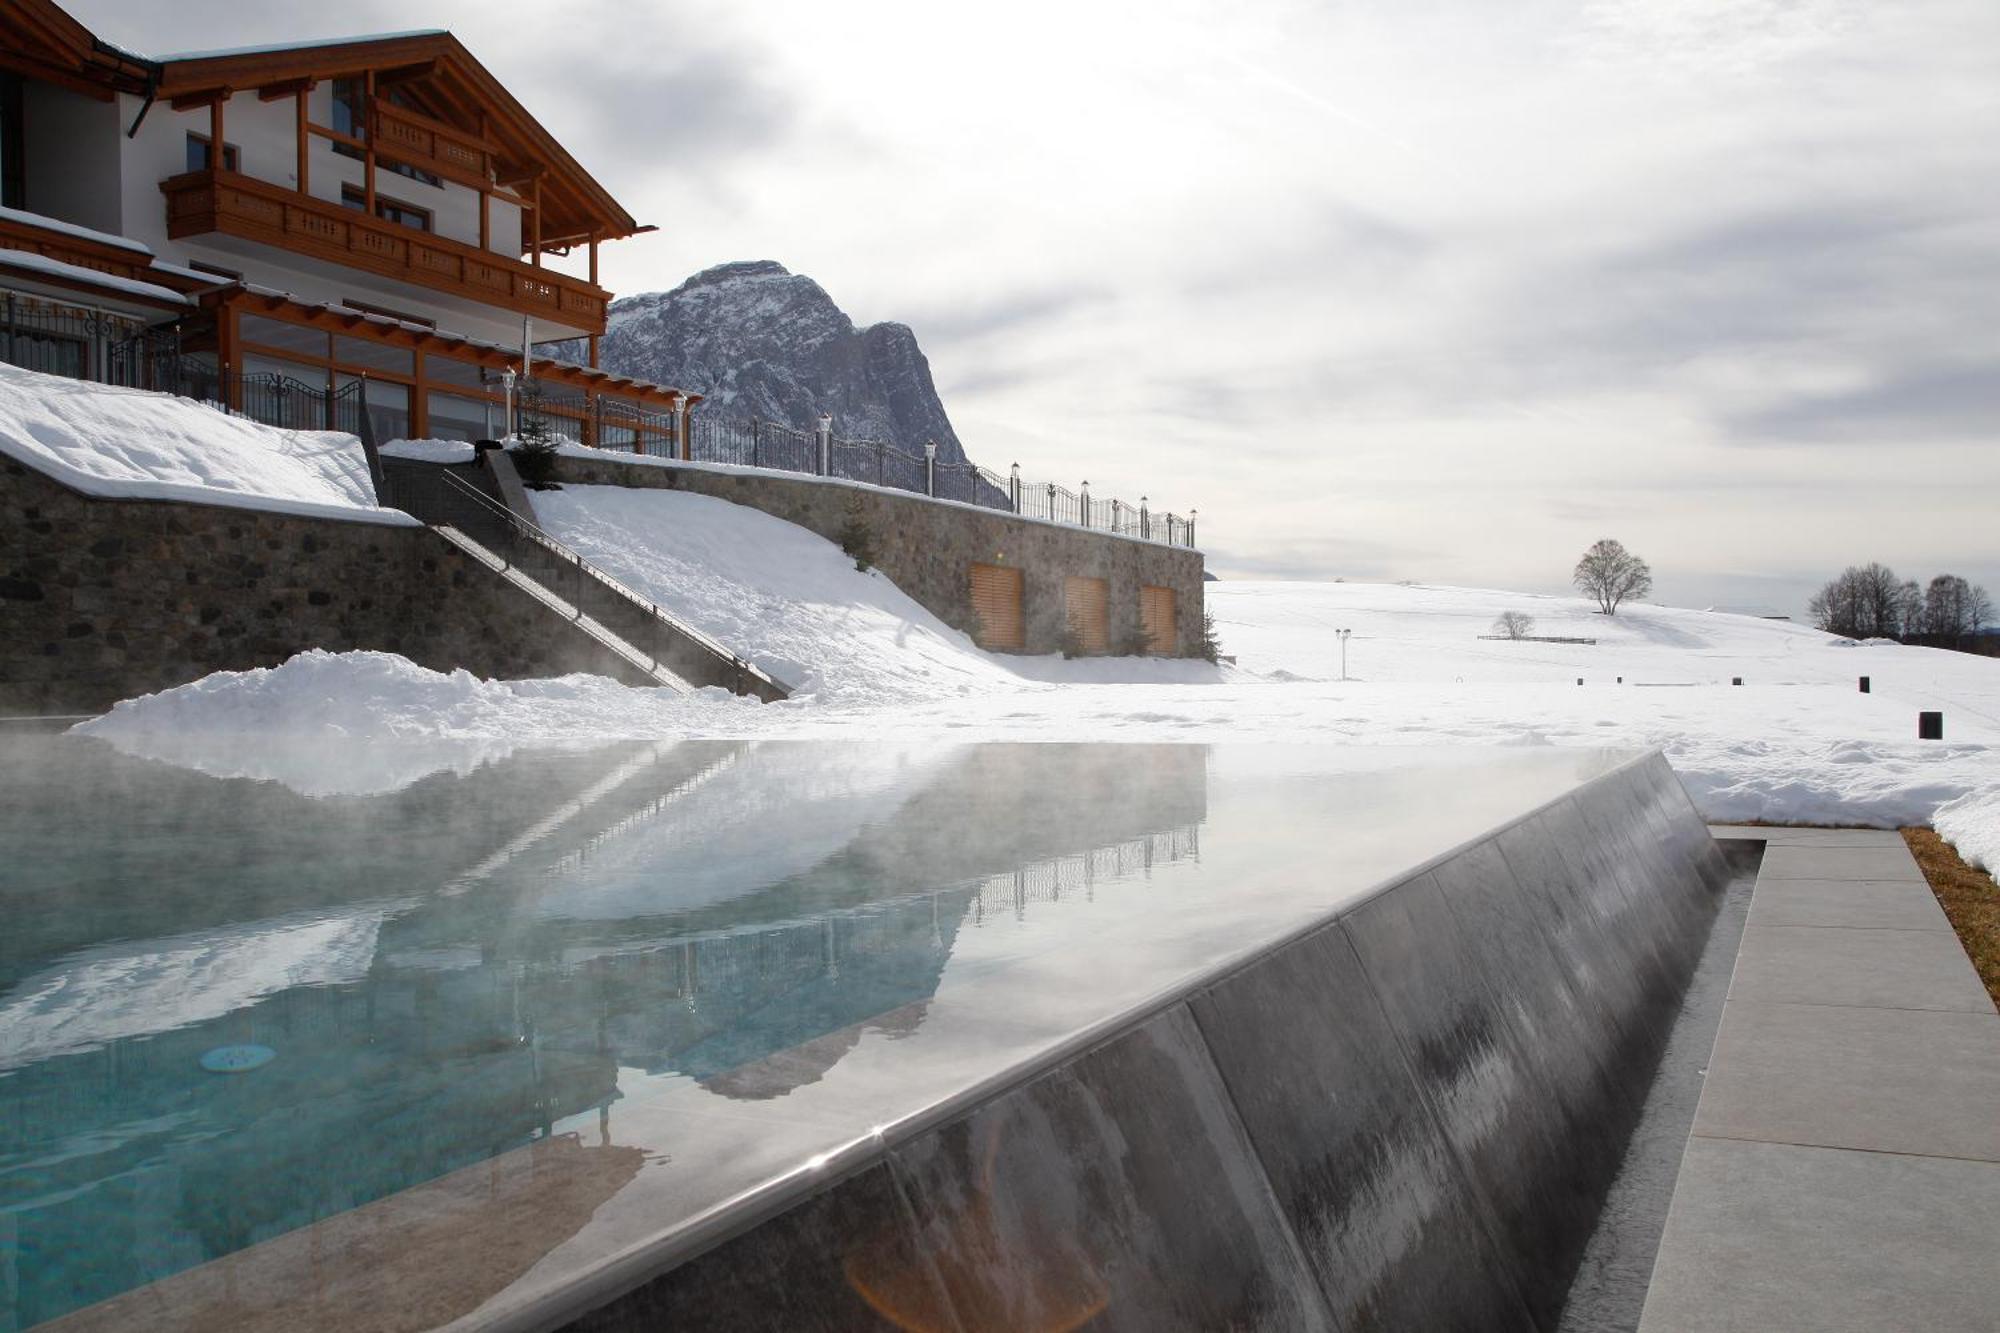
<point>627,1272</point>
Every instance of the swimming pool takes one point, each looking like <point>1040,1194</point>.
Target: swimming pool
<point>525,1014</point>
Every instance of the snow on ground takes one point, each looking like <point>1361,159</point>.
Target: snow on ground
<point>1797,742</point>
<point>791,602</point>
<point>117,442</point>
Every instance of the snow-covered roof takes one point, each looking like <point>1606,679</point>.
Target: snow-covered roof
<point>134,444</point>
<point>271,48</point>
<point>46,223</point>
<point>110,282</point>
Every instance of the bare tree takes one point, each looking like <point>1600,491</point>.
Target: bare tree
<point>1954,608</point>
<point>1514,625</point>
<point>1610,573</point>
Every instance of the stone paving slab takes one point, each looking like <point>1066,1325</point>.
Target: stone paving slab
<point>1867,862</point>
<point>1897,969</point>
<point>1810,837</point>
<point>1764,1237</point>
<point>1841,1076</point>
<point>1859,904</point>
<point>1843,1172</point>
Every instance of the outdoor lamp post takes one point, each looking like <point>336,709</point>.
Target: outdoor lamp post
<point>1343,633</point>
<point>507,379</point>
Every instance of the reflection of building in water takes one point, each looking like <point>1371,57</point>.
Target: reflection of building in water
<point>741,915</point>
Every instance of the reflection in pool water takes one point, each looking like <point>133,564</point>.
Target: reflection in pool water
<point>478,964</point>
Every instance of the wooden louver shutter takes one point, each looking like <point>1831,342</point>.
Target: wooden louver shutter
<point>1156,618</point>
<point>1087,602</point>
<point>996,600</point>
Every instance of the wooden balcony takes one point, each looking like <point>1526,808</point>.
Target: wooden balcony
<point>200,203</point>
<point>416,140</point>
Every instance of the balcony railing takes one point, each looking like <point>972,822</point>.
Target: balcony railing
<point>415,139</point>
<point>201,202</point>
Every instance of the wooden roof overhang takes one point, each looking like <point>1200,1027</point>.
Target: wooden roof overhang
<point>40,41</point>
<point>433,74</point>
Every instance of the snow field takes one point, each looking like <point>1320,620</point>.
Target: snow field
<point>132,443</point>
<point>1797,742</point>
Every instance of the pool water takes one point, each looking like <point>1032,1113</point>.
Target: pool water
<point>643,976</point>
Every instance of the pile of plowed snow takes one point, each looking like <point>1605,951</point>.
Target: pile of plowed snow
<point>131,443</point>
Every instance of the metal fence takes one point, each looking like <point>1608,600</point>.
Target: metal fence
<point>57,338</point>
<point>767,444</point>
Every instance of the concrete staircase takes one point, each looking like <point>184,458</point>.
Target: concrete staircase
<point>475,507</point>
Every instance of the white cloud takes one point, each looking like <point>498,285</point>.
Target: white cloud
<point>1438,291</point>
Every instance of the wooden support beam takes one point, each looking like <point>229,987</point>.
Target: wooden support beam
<point>485,220</point>
<point>368,153</point>
<point>218,146</point>
<point>536,203</point>
<point>305,141</point>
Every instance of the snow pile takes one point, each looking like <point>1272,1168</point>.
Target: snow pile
<point>133,443</point>
<point>785,598</point>
<point>430,451</point>
<point>1971,823</point>
<point>358,723</point>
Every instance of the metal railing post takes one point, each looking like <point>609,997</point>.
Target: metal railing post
<point>1014,487</point>
<point>1190,526</point>
<point>1083,506</point>
<point>1117,511</point>
<point>825,444</point>
<point>1145,518</point>
<point>930,468</point>
<point>682,409</point>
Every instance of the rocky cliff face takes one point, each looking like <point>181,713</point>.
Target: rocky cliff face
<point>759,341</point>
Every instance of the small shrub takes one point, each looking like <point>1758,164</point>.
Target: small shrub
<point>1210,646</point>
<point>535,445</point>
<point>857,536</point>
<point>1072,643</point>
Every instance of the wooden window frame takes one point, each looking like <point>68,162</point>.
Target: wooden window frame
<point>232,154</point>
<point>352,196</point>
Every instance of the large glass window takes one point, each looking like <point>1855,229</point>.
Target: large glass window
<point>464,374</point>
<point>371,355</point>
<point>281,336</point>
<point>455,418</point>
<point>388,408</point>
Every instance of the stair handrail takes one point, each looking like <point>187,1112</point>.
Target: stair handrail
<point>536,533</point>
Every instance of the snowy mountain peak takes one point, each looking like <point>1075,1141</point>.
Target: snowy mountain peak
<point>758,340</point>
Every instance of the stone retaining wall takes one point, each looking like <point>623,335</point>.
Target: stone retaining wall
<point>927,547</point>
<point>101,600</point>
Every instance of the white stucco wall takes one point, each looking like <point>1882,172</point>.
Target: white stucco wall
<point>69,158</point>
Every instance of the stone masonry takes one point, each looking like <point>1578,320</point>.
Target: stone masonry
<point>927,547</point>
<point>101,599</point>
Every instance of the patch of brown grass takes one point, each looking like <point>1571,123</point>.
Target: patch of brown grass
<point>1969,897</point>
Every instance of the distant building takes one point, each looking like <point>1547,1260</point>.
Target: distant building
<point>274,224</point>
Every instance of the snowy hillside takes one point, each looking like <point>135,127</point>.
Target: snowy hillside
<point>779,595</point>
<point>760,341</point>
<point>128,442</point>
<point>1796,742</point>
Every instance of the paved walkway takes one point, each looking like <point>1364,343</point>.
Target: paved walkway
<point>1844,1168</point>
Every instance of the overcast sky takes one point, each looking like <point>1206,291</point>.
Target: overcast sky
<point>1415,289</point>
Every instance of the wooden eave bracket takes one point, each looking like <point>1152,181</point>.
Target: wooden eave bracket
<point>201,98</point>
<point>273,92</point>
